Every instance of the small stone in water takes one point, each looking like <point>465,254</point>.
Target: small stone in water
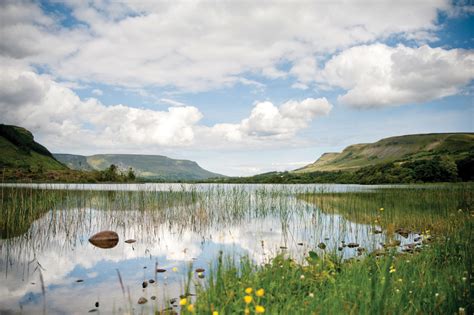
<point>153,297</point>
<point>151,281</point>
<point>159,270</point>
<point>97,304</point>
<point>300,244</point>
<point>200,270</point>
<point>144,284</point>
<point>340,248</point>
<point>352,245</point>
<point>142,300</point>
<point>377,231</point>
<point>283,247</point>
<point>130,241</point>
<point>79,280</point>
<point>326,238</point>
<point>322,245</point>
<point>104,239</point>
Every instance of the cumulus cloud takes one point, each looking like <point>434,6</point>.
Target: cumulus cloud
<point>43,105</point>
<point>65,121</point>
<point>267,121</point>
<point>201,45</point>
<point>379,75</point>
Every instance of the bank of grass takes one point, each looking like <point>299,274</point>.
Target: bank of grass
<point>436,280</point>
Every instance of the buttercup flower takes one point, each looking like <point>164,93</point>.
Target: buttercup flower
<point>259,309</point>
<point>260,292</point>
<point>248,299</point>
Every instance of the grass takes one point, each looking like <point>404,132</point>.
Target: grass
<point>401,148</point>
<point>436,280</point>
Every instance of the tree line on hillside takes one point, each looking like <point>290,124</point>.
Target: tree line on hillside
<point>110,174</point>
<point>437,169</point>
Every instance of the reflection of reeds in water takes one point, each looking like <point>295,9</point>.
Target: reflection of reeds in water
<point>418,208</point>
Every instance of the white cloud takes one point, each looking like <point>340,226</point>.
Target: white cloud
<point>63,120</point>
<point>201,45</point>
<point>378,75</point>
<point>269,122</point>
<point>171,102</point>
<point>58,114</point>
<point>97,92</point>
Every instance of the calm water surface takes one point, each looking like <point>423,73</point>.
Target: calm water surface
<point>175,227</point>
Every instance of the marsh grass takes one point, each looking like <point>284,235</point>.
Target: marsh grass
<point>436,280</point>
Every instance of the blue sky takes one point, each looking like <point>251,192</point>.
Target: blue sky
<point>240,87</point>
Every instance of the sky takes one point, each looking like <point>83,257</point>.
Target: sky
<point>241,87</point>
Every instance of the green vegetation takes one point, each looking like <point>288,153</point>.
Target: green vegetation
<point>147,167</point>
<point>432,275</point>
<point>435,278</point>
<point>19,151</point>
<point>437,169</point>
<point>20,207</point>
<point>401,149</point>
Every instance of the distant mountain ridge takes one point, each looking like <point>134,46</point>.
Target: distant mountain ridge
<point>395,149</point>
<point>145,166</point>
<point>19,150</point>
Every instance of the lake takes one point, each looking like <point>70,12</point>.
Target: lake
<point>47,263</point>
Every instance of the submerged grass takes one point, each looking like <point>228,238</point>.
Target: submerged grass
<point>436,280</point>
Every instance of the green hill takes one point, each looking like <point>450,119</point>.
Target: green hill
<point>19,151</point>
<point>398,150</point>
<point>146,166</point>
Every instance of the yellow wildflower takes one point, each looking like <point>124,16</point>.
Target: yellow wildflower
<point>260,292</point>
<point>381,209</point>
<point>248,299</point>
<point>247,311</point>
<point>191,308</point>
<point>215,313</point>
<point>175,269</point>
<point>259,309</point>
<point>183,301</point>
<point>392,269</point>
<point>248,290</point>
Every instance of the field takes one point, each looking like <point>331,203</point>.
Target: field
<point>227,249</point>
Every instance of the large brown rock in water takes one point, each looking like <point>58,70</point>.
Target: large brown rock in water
<point>104,239</point>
